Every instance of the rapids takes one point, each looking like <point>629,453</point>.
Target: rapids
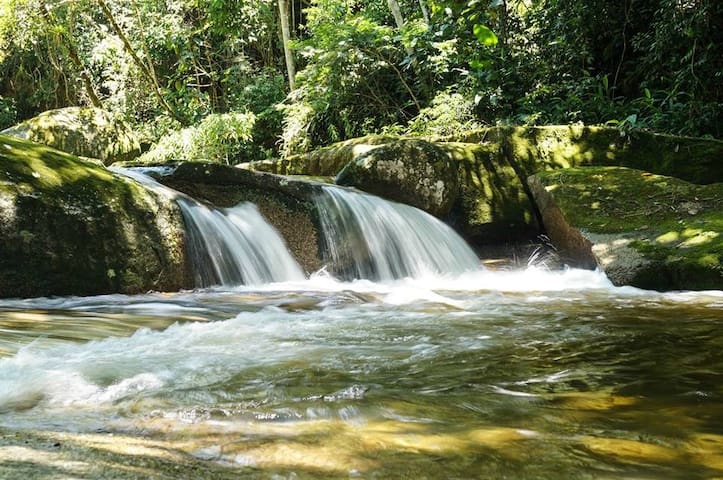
<point>404,358</point>
<point>523,374</point>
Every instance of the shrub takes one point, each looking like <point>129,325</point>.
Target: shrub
<point>219,138</point>
<point>8,112</point>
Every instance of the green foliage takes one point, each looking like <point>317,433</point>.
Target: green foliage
<point>653,65</point>
<point>8,113</point>
<point>218,138</point>
<point>352,83</point>
<point>604,62</point>
<point>448,113</point>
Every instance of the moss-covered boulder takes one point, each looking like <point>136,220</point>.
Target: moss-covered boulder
<point>82,131</point>
<point>534,149</point>
<point>286,203</point>
<point>324,162</point>
<point>645,230</point>
<point>69,226</point>
<point>493,204</point>
<point>415,172</point>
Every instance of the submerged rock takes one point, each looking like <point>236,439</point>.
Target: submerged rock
<point>645,230</point>
<point>71,227</point>
<point>415,172</point>
<point>82,131</point>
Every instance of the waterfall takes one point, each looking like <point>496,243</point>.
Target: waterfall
<point>368,237</point>
<point>228,246</point>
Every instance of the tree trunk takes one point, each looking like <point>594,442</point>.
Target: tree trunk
<point>399,20</point>
<point>396,13</point>
<point>425,12</point>
<point>286,38</point>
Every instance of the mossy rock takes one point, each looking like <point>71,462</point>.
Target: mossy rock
<point>71,227</point>
<point>287,204</point>
<point>645,230</point>
<point>324,162</point>
<point>82,131</point>
<point>533,149</point>
<point>415,172</point>
<point>493,205</point>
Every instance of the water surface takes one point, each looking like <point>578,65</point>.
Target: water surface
<point>527,374</point>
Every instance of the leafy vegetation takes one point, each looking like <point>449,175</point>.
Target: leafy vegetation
<point>421,67</point>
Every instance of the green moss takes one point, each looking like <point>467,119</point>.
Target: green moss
<point>83,131</point>
<point>65,223</point>
<point>541,148</point>
<point>329,161</point>
<point>676,226</point>
<point>493,204</point>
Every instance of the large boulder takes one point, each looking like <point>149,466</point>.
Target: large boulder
<point>534,149</point>
<point>493,205</point>
<point>415,172</point>
<point>70,226</point>
<point>324,162</point>
<point>82,131</point>
<point>645,230</point>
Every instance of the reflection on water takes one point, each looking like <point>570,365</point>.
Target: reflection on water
<point>517,375</point>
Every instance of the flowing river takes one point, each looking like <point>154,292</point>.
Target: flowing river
<point>507,374</point>
<point>420,364</point>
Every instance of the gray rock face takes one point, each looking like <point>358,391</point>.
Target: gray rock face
<point>415,172</point>
<point>82,131</point>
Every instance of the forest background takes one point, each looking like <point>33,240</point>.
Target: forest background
<point>211,80</point>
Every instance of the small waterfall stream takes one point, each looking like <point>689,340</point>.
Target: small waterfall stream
<point>365,237</point>
<point>522,374</point>
<point>229,246</point>
<point>369,237</point>
<point>236,245</point>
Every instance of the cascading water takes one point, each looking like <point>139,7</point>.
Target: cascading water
<point>229,246</point>
<point>368,237</point>
<point>517,374</point>
<point>236,245</point>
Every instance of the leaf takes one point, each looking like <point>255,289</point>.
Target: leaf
<point>480,64</point>
<point>484,35</point>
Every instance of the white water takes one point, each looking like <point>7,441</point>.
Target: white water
<point>229,246</point>
<point>251,330</point>
<point>368,237</point>
<point>234,246</point>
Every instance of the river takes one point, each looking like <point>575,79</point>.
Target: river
<point>506,374</point>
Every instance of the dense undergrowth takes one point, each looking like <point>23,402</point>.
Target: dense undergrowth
<point>208,79</point>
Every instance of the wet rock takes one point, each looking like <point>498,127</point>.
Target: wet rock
<point>82,131</point>
<point>288,204</point>
<point>493,205</point>
<point>71,227</point>
<point>636,226</point>
<point>415,172</point>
